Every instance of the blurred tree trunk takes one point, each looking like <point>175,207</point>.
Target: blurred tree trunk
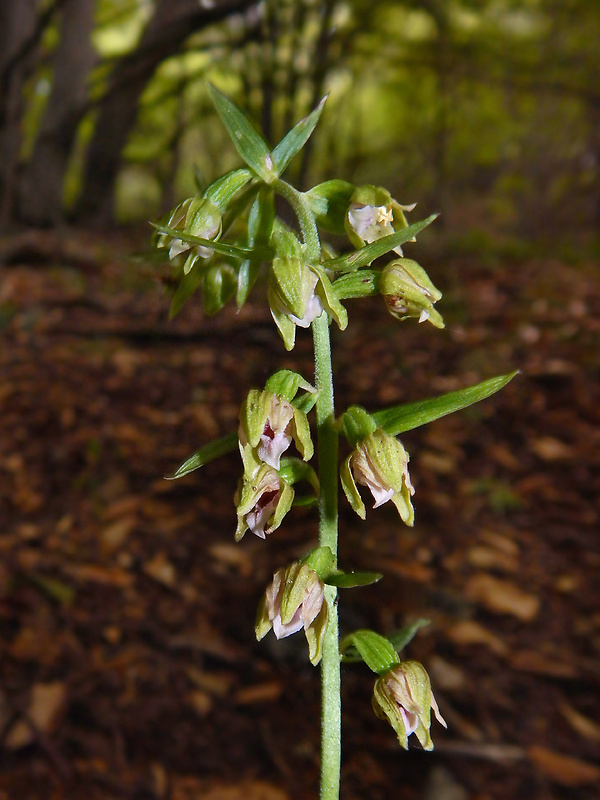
<point>17,33</point>
<point>41,188</point>
<point>171,24</point>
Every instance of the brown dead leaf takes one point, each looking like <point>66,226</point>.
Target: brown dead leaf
<point>502,597</point>
<point>565,770</point>
<point>161,569</point>
<point>260,693</point>
<point>541,664</point>
<point>45,705</point>
<point>550,449</point>
<point>470,632</point>
<point>585,727</point>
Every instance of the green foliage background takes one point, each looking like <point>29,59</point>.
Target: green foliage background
<point>486,111</point>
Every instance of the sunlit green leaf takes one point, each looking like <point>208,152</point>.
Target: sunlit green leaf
<point>295,140</point>
<point>368,253</point>
<point>206,454</point>
<point>412,415</point>
<point>249,144</point>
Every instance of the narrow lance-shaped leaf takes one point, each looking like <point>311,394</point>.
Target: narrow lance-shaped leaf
<point>219,247</point>
<point>211,451</point>
<point>401,638</point>
<point>368,253</point>
<point>412,415</point>
<point>249,144</point>
<point>295,140</point>
<point>349,580</point>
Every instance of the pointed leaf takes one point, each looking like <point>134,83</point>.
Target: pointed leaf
<point>401,638</point>
<point>348,580</point>
<point>295,140</point>
<point>368,646</point>
<point>219,247</point>
<point>215,449</point>
<point>412,415</point>
<point>368,253</point>
<point>249,144</point>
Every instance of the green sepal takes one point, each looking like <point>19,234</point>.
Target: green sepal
<point>405,635</point>
<point>326,293</point>
<point>219,286</point>
<point>306,402</point>
<point>329,203</point>
<point>356,424</point>
<point>402,418</point>
<point>286,383</point>
<point>353,285</point>
<point>211,451</point>
<point>291,276</point>
<point>222,191</point>
<point>348,580</point>
<point>368,253</point>
<point>285,326</point>
<point>232,250</point>
<point>246,140</point>
<point>375,650</point>
<point>293,470</point>
<point>322,560</point>
<point>351,490</point>
<point>295,139</point>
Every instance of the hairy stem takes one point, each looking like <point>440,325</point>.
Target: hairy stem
<point>327,444</point>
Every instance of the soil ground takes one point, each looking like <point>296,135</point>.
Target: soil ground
<point>129,667</point>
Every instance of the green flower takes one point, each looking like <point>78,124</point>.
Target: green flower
<point>379,462</point>
<point>408,292</point>
<point>373,214</point>
<point>293,601</point>
<point>403,696</point>
<point>298,294</point>
<point>268,423</point>
<point>263,501</point>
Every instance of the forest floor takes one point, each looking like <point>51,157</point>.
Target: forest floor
<point>129,667</point>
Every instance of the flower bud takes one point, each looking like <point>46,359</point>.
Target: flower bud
<point>293,601</point>
<point>408,292</point>
<point>373,214</point>
<point>268,423</point>
<point>264,500</point>
<point>403,696</point>
<point>379,462</point>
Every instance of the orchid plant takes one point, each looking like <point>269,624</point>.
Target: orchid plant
<point>307,284</point>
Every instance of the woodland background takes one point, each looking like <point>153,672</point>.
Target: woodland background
<point>128,665</point>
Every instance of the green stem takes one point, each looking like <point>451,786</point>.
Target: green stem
<point>327,443</point>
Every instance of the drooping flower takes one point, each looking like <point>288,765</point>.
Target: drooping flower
<point>298,294</point>
<point>408,292</point>
<point>403,696</point>
<point>373,214</point>
<point>269,423</point>
<point>292,602</point>
<point>196,216</point>
<point>264,500</point>
<point>379,462</point>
